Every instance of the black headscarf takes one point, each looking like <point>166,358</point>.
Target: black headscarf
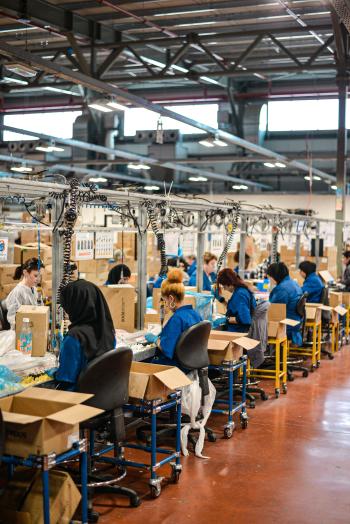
<point>91,321</point>
<point>115,274</point>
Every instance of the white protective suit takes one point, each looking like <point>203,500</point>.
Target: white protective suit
<point>21,295</point>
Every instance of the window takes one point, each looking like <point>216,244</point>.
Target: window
<point>59,124</point>
<point>140,119</point>
<point>304,115</point>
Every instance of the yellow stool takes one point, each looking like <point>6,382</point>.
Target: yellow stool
<point>315,350</point>
<point>279,373</point>
<point>347,322</point>
<point>334,328</point>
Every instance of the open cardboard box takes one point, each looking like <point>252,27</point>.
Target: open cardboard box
<point>346,298</point>
<point>121,301</point>
<point>153,381</point>
<point>277,321</point>
<point>40,421</point>
<point>335,298</point>
<point>39,321</point>
<point>227,347</point>
<point>326,276</point>
<point>313,311</point>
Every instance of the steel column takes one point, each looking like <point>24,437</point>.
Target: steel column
<point>297,250</point>
<point>200,250</point>
<point>242,245</point>
<point>317,245</point>
<point>142,267</point>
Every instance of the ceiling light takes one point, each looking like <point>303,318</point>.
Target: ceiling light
<point>315,177</point>
<point>151,188</point>
<point>239,187</point>
<point>100,107</point>
<point>98,179</point>
<point>21,70</point>
<point>10,80</point>
<point>219,142</point>
<point>280,164</point>
<point>307,177</point>
<point>206,143</point>
<point>49,148</point>
<point>138,167</point>
<point>334,187</point>
<point>177,13</point>
<point>209,80</point>
<point>269,164</point>
<point>115,105</point>
<point>22,169</point>
<point>59,90</point>
<point>198,179</point>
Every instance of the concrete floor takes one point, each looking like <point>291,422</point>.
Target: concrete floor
<point>292,464</point>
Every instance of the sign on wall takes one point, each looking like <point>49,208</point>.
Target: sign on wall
<point>4,244</point>
<point>104,244</point>
<point>84,246</point>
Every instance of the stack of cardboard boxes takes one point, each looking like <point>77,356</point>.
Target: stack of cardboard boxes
<point>7,283</point>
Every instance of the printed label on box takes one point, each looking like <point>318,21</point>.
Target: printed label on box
<point>4,243</point>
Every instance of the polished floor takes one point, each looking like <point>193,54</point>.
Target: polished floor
<point>292,464</point>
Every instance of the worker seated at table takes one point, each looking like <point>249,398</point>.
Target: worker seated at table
<point>90,334</point>
<point>120,274</point>
<point>288,292</point>
<point>25,293</point>
<point>171,262</point>
<point>241,305</point>
<point>313,284</point>
<point>209,272</point>
<point>191,264</point>
<point>346,275</point>
<point>183,317</point>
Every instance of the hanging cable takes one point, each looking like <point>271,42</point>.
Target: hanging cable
<point>160,238</point>
<point>236,218</point>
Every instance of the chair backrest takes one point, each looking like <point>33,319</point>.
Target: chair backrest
<point>2,435</point>
<point>4,323</point>
<point>325,297</point>
<point>300,307</point>
<point>192,347</point>
<point>107,377</point>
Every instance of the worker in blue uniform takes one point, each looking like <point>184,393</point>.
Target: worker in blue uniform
<point>172,262</point>
<point>313,284</point>
<point>242,303</point>
<point>288,292</point>
<point>209,272</point>
<point>182,318</point>
<point>191,264</point>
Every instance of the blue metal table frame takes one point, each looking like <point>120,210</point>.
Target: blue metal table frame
<point>230,368</point>
<point>149,408</point>
<point>47,462</point>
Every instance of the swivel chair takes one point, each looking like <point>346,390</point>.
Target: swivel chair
<point>2,435</point>
<point>107,377</point>
<point>191,352</point>
<point>4,323</point>
<point>294,364</point>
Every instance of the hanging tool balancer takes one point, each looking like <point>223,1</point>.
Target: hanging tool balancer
<point>237,213</point>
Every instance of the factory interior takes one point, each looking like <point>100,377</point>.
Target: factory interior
<point>174,261</point>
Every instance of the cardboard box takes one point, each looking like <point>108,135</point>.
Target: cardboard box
<point>225,346</point>
<point>121,302</point>
<point>28,236</point>
<point>313,312</point>
<point>277,321</point>
<point>39,318</point>
<point>40,421</point>
<point>6,290</point>
<point>22,502</point>
<point>31,250</point>
<point>6,273</point>
<point>46,273</point>
<point>346,298</point>
<point>153,381</point>
<point>340,310</point>
<point>335,298</point>
<point>17,254</point>
<point>326,276</point>
<point>46,286</point>
<point>87,266</point>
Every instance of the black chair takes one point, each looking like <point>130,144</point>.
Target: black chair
<point>4,323</point>
<point>107,377</point>
<point>294,364</point>
<point>2,435</point>
<point>192,354</point>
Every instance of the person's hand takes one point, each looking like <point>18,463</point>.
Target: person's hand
<point>217,295</point>
<point>232,320</point>
<point>151,338</point>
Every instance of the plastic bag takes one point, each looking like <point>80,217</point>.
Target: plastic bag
<point>8,375</point>
<point>191,405</point>
<point>7,341</point>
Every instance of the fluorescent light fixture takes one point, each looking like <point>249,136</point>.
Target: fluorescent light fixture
<point>307,177</point>
<point>21,70</point>
<point>195,23</point>
<point>198,179</point>
<point>115,105</point>
<point>138,167</point>
<point>11,80</point>
<point>219,142</point>
<point>22,169</point>
<point>100,107</point>
<point>59,90</point>
<point>206,143</point>
<point>334,187</point>
<point>151,188</point>
<point>49,148</point>
<point>280,164</point>
<point>98,179</point>
<point>269,164</point>
<point>209,80</point>
<point>239,187</point>
<point>315,177</point>
<point>185,12</point>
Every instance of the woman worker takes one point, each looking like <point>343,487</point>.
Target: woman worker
<point>183,317</point>
<point>120,274</point>
<point>209,272</point>
<point>25,293</point>
<point>241,306</point>
<point>313,285</point>
<point>90,334</point>
<point>288,292</point>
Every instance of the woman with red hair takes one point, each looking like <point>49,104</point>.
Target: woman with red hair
<point>241,306</point>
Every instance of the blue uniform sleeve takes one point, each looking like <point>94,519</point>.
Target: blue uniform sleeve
<point>72,361</point>
<point>239,307</point>
<point>193,279</point>
<point>170,335</point>
<point>279,296</point>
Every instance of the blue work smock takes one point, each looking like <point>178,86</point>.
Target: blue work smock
<point>241,306</point>
<point>289,292</point>
<point>181,320</point>
<point>192,268</point>
<point>158,282</point>
<point>207,283</point>
<point>314,286</point>
<point>72,361</point>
